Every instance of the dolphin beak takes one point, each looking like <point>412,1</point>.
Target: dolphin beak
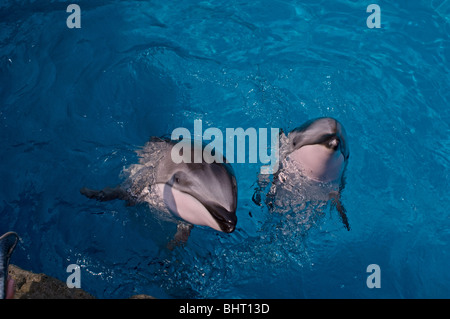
<point>227,220</point>
<point>333,143</point>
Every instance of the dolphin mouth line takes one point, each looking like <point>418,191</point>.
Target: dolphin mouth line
<point>227,225</point>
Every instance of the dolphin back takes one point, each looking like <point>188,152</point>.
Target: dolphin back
<point>8,242</point>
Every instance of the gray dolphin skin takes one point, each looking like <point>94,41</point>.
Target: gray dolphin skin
<point>8,242</point>
<point>318,151</point>
<point>196,193</point>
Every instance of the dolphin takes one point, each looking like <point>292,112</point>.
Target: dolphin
<point>313,158</point>
<point>319,148</point>
<point>8,242</point>
<point>203,193</point>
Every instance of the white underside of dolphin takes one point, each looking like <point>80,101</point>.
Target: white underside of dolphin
<point>193,211</point>
<point>319,163</point>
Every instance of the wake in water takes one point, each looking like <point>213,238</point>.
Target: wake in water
<point>212,268</point>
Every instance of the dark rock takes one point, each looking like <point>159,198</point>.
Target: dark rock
<point>40,286</point>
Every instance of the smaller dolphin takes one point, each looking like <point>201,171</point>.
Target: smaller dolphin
<point>311,156</point>
<point>8,242</point>
<point>202,193</point>
<point>319,148</point>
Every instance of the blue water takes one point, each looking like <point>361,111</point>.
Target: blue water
<point>76,103</point>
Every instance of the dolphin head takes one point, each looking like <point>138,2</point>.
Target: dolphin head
<point>320,148</point>
<point>200,193</point>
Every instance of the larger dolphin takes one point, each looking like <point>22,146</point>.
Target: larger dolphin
<point>202,193</point>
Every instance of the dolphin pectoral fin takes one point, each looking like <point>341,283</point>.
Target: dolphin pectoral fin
<point>262,182</point>
<point>259,189</point>
<point>256,198</point>
<point>181,236</point>
<point>336,198</point>
<point>342,212</point>
<point>105,194</point>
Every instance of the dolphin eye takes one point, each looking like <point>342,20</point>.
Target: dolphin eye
<point>176,178</point>
<point>179,178</point>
